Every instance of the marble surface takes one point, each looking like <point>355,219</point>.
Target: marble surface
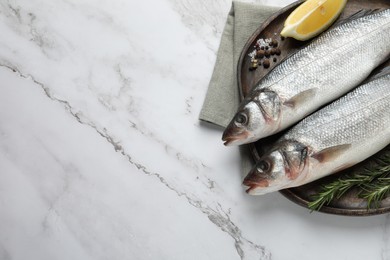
<point>102,155</point>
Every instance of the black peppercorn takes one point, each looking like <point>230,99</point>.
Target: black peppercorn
<point>260,54</point>
<point>266,63</point>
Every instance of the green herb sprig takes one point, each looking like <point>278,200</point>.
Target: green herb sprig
<point>372,182</point>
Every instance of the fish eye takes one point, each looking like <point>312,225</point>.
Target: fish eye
<point>241,118</point>
<point>263,166</point>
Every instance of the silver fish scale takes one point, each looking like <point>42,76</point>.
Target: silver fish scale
<point>335,62</point>
<point>358,117</point>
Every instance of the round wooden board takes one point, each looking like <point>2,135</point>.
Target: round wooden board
<point>350,204</point>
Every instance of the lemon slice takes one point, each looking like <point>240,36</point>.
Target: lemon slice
<point>311,18</point>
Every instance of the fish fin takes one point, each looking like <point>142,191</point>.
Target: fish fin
<point>301,97</point>
<point>330,153</point>
<point>344,166</point>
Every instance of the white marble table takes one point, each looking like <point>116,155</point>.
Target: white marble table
<point>102,155</point>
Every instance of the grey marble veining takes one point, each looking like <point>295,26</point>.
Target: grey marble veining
<point>102,155</point>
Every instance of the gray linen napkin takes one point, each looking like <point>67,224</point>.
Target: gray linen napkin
<point>222,98</point>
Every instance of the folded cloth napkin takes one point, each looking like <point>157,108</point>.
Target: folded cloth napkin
<point>222,98</point>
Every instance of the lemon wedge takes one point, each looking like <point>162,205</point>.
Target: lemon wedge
<point>311,18</point>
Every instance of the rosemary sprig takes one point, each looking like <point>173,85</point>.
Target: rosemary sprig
<point>375,192</point>
<point>373,182</point>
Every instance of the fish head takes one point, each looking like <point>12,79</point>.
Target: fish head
<point>257,117</point>
<point>280,168</point>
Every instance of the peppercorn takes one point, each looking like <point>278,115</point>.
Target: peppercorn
<point>274,43</point>
<point>253,65</point>
<point>260,54</point>
<point>272,51</point>
<point>262,47</point>
<point>266,63</point>
<point>267,54</point>
<point>266,47</point>
<point>278,51</point>
<point>274,59</point>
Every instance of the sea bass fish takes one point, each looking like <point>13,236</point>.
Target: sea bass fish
<point>330,66</point>
<point>334,138</point>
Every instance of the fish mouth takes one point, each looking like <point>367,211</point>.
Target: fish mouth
<point>248,189</point>
<point>229,138</point>
<point>254,188</point>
